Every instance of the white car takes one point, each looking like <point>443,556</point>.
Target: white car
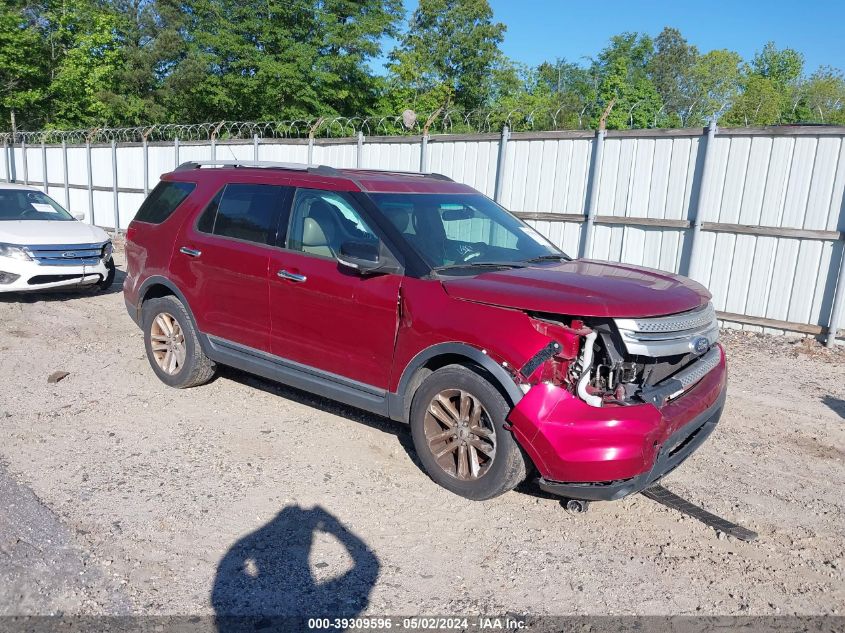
<point>42,246</point>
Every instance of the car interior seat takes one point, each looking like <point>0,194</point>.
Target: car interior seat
<point>321,231</point>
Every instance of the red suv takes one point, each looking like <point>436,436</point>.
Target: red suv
<point>420,299</point>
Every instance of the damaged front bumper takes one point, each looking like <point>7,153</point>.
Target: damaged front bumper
<point>606,453</point>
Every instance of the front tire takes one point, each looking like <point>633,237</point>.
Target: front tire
<point>172,344</point>
<point>458,429</point>
<point>106,283</point>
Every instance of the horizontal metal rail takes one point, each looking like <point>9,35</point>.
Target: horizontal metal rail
<point>713,227</point>
<point>775,324</point>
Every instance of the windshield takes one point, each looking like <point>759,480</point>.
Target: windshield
<point>25,204</point>
<point>461,231</point>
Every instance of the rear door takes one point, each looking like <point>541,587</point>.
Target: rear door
<point>221,262</point>
<point>327,316</point>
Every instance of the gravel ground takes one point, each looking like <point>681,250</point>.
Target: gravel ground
<point>122,495</point>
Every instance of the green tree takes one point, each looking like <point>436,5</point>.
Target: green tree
<point>671,70</point>
<point>23,66</point>
<point>715,82</point>
<point>447,55</point>
<point>622,67</point>
<point>85,57</point>
<point>574,90</point>
<point>822,98</point>
<point>770,88</point>
<point>759,103</point>
<point>271,59</point>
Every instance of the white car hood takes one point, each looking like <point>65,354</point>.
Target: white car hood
<point>37,232</point>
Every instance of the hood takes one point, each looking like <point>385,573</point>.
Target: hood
<point>38,232</point>
<point>583,288</point>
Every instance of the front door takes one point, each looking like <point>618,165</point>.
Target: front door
<point>221,262</point>
<point>324,315</point>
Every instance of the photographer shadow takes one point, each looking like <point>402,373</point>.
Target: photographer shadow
<point>265,580</point>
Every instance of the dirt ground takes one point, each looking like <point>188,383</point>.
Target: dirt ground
<point>122,495</point>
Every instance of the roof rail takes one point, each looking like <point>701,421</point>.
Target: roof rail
<point>258,164</point>
<point>323,170</point>
<point>399,172</point>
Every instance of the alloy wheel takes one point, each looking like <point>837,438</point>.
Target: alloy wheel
<point>460,434</point>
<point>167,341</point>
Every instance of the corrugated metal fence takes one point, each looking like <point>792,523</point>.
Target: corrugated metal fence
<point>755,214</point>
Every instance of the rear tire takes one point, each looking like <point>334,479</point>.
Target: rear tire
<point>172,344</point>
<point>458,428</point>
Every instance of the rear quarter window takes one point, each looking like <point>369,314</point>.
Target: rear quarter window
<point>163,201</point>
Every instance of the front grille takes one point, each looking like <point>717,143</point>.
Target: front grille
<point>672,335</point>
<point>67,254</point>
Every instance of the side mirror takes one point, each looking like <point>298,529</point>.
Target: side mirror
<point>79,216</point>
<point>368,257</point>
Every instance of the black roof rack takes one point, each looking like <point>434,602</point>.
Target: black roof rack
<point>259,164</point>
<point>323,170</point>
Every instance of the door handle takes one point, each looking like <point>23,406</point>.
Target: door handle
<point>190,252</point>
<point>284,274</point>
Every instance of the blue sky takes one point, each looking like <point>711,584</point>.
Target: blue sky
<point>546,29</point>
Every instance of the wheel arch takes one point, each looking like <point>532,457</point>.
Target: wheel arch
<point>433,358</point>
<point>157,287</point>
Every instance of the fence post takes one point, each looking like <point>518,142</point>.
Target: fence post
<point>146,159</point>
<point>255,147</point>
<point>838,303</point>
<point>359,153</point>
<point>695,244</point>
<point>500,166</point>
<point>90,180</point>
<point>214,140</point>
<point>424,154</point>
<point>114,185</point>
<point>593,200</point>
<point>11,166</point>
<point>176,151</point>
<point>64,174</point>
<point>25,163</point>
<point>6,160</point>
<point>311,150</point>
<point>44,165</point>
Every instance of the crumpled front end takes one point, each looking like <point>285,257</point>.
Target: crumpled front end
<point>622,419</point>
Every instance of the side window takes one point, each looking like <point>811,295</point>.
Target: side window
<point>163,200</point>
<point>244,212</point>
<point>323,220</point>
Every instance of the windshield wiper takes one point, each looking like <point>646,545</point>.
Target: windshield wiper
<point>438,269</point>
<point>550,257</point>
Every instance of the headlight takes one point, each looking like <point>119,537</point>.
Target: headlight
<point>108,249</point>
<point>15,252</point>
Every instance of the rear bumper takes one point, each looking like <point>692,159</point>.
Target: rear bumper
<point>607,453</point>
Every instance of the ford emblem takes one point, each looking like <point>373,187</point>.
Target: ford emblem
<point>69,255</point>
<point>699,344</point>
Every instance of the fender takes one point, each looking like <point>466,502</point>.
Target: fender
<point>397,404</point>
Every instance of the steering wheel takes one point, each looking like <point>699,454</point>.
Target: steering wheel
<point>26,212</point>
